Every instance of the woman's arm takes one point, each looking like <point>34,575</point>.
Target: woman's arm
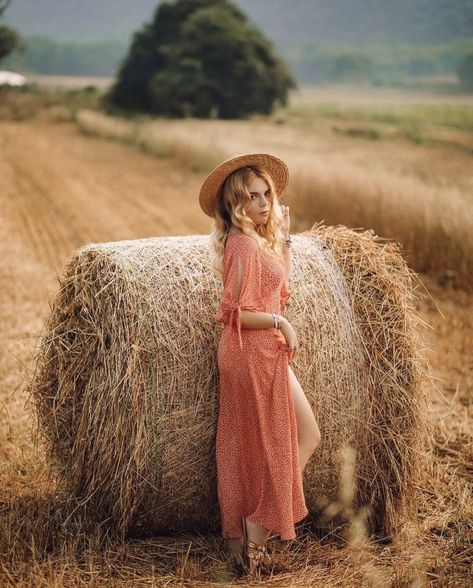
<point>258,320</point>
<point>241,303</point>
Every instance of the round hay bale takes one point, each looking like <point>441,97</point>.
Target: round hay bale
<point>126,382</point>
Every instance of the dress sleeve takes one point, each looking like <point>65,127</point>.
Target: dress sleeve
<point>241,282</point>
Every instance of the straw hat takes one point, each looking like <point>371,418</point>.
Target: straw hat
<point>211,188</point>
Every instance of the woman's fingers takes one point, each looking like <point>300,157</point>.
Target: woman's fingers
<point>285,213</point>
<point>290,354</point>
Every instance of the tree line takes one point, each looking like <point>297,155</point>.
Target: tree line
<point>310,65</point>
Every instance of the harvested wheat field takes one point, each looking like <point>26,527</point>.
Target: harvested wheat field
<point>89,228</point>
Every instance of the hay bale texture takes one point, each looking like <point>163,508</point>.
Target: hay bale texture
<point>125,385</point>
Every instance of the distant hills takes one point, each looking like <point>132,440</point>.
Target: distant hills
<point>289,23</point>
<point>386,40</point>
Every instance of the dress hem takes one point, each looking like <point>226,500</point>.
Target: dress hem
<point>283,536</point>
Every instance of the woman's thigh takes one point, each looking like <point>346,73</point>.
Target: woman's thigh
<point>307,428</point>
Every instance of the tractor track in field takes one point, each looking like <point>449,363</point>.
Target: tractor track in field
<point>49,228</point>
<point>63,190</point>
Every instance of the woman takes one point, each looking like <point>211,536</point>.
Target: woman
<point>266,428</point>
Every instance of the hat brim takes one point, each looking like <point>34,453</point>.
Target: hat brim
<point>212,185</point>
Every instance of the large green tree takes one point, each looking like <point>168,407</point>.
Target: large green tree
<point>201,58</point>
<point>9,38</point>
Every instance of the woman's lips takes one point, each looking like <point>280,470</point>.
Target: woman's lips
<point>265,212</point>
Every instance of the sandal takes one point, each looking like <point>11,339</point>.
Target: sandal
<point>253,560</point>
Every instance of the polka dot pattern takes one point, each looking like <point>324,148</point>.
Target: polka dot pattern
<point>257,457</point>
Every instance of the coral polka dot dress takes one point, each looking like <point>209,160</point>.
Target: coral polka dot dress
<point>258,474</point>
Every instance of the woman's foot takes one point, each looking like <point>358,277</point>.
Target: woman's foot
<point>255,554</point>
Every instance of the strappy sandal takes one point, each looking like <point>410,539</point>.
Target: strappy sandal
<point>253,561</point>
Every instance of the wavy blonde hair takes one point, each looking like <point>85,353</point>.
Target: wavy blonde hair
<point>230,210</point>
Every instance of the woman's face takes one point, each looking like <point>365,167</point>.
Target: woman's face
<point>260,201</point>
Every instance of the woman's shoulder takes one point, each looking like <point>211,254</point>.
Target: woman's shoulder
<point>241,240</point>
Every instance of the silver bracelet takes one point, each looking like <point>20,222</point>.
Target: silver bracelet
<point>276,323</point>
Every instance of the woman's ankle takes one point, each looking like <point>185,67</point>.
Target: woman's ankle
<point>257,533</point>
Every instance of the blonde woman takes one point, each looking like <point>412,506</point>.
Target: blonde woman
<point>266,428</point>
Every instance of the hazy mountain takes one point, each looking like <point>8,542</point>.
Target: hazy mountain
<point>286,22</point>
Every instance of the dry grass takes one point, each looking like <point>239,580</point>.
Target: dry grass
<point>56,103</point>
<point>191,150</point>
<point>432,219</point>
<point>433,224</point>
<point>49,544</point>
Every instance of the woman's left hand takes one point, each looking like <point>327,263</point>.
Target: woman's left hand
<point>287,220</point>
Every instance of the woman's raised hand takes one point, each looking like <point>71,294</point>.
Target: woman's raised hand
<point>286,220</point>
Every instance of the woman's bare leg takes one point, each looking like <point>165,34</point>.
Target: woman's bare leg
<point>256,533</point>
<point>308,433</point>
